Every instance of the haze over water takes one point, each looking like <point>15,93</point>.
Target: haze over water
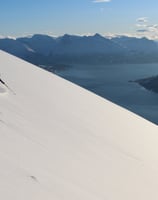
<point>112,82</point>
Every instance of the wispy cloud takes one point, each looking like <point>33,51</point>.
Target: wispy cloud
<point>153,27</point>
<point>142,20</point>
<point>142,25</point>
<point>101,1</point>
<point>142,30</point>
<point>145,29</point>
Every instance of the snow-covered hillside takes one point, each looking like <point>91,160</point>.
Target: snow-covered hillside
<point>61,142</point>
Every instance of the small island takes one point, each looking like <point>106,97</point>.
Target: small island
<point>150,83</point>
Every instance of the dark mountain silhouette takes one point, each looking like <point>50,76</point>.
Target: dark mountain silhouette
<point>67,49</point>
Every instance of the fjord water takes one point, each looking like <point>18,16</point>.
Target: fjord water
<point>112,82</point>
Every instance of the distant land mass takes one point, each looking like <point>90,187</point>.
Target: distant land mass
<point>150,83</point>
<point>44,50</point>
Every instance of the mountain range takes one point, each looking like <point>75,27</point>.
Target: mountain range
<point>46,50</point>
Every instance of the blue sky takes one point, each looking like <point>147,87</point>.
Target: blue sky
<point>56,17</point>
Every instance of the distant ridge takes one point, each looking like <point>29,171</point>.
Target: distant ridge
<point>46,50</point>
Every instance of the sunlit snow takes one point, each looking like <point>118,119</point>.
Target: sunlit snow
<point>61,142</point>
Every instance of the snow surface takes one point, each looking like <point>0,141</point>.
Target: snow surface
<point>61,142</point>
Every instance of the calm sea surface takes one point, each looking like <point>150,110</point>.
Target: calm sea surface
<point>112,82</point>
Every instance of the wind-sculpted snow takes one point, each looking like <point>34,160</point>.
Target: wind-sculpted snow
<point>59,141</point>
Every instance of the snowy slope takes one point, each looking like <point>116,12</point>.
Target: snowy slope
<point>61,142</point>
